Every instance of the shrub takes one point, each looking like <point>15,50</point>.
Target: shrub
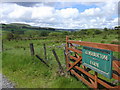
<point>117,37</point>
<point>115,41</point>
<point>55,34</point>
<point>44,33</point>
<point>93,36</point>
<point>65,33</point>
<point>104,37</point>
<point>9,36</point>
<point>97,32</point>
<point>105,29</point>
<point>103,41</point>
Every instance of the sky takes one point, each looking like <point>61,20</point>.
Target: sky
<point>64,15</point>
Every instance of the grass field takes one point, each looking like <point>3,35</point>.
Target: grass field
<point>28,72</point>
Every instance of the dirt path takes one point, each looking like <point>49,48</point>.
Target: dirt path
<point>5,83</point>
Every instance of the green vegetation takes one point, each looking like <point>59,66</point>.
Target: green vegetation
<point>29,72</point>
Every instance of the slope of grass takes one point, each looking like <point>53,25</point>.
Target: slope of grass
<point>28,72</point>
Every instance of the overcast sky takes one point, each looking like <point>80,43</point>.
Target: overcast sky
<point>66,15</point>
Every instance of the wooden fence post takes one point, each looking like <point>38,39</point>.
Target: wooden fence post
<point>57,59</point>
<point>67,59</point>
<point>2,46</point>
<point>32,49</point>
<point>64,52</point>
<point>45,54</point>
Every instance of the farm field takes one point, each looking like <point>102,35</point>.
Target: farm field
<point>27,71</point>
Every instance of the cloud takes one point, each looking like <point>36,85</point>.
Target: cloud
<point>42,12</point>
<point>68,13</point>
<point>91,12</point>
<point>46,15</point>
<point>25,4</point>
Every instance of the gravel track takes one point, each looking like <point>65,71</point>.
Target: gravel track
<point>5,83</point>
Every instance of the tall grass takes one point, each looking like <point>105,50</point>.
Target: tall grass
<point>28,72</point>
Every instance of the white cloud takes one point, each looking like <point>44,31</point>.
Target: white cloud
<point>91,12</point>
<point>115,20</point>
<point>42,12</point>
<point>18,12</point>
<point>68,13</point>
<point>92,20</point>
<point>48,16</point>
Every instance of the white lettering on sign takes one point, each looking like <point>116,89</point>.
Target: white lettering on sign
<point>94,63</point>
<point>98,55</point>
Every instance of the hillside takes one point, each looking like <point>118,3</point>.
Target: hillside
<point>20,26</point>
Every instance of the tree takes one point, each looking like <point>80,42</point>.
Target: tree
<point>117,28</point>
<point>105,29</point>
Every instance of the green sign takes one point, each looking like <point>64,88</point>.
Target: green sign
<point>99,60</point>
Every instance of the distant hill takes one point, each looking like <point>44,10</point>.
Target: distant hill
<point>20,26</point>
